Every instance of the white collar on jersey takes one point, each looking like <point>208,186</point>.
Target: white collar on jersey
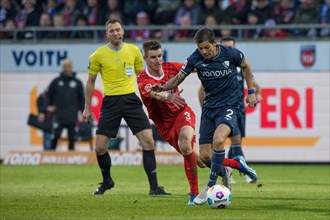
<point>155,77</point>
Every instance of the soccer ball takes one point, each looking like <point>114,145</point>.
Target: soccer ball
<point>218,197</point>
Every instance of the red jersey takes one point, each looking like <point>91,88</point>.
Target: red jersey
<point>163,114</point>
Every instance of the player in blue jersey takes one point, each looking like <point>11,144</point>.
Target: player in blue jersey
<point>239,132</point>
<point>216,69</point>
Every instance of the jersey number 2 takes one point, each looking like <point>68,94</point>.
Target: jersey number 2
<point>228,116</point>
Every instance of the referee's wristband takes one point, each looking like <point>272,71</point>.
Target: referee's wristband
<point>251,91</point>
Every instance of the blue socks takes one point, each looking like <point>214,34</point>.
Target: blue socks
<point>235,150</point>
<point>216,167</point>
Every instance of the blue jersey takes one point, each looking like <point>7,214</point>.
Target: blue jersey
<point>218,76</point>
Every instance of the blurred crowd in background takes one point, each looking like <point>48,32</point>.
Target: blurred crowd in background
<point>186,13</point>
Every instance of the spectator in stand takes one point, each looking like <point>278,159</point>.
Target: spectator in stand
<point>81,21</point>
<point>93,13</point>
<point>306,13</point>
<point>152,7</point>
<point>224,4</point>
<point>44,21</point>
<point>236,12</point>
<point>116,15</point>
<point>283,13</point>
<point>325,17</point>
<point>273,33</point>
<point>9,25</point>
<point>70,11</point>
<point>59,22</point>
<point>209,8</point>
<point>50,7</point>
<point>184,34</point>
<point>210,21</point>
<point>113,6</point>
<point>252,19</point>
<point>263,10</point>
<point>225,32</point>
<point>166,11</point>
<point>7,11</point>
<point>141,34</point>
<point>132,7</point>
<point>188,8</point>
<point>28,16</point>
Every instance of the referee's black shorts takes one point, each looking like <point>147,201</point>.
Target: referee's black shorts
<point>114,108</point>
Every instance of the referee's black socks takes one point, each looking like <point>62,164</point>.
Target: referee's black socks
<point>149,164</point>
<point>104,162</point>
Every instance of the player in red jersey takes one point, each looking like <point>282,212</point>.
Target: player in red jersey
<point>174,119</point>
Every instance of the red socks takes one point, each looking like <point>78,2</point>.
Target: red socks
<point>190,167</point>
<point>231,163</point>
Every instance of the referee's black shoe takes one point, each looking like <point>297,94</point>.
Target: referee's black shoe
<point>158,191</point>
<point>104,186</point>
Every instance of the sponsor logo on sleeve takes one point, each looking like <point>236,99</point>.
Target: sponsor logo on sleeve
<point>184,64</point>
<point>148,87</point>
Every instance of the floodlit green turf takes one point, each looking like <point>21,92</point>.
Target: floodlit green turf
<point>64,192</point>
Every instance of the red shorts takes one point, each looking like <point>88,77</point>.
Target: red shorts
<point>171,135</point>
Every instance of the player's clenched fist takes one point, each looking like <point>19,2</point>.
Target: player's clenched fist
<point>251,100</point>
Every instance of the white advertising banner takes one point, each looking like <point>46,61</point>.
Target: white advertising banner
<point>263,56</point>
<point>291,124</point>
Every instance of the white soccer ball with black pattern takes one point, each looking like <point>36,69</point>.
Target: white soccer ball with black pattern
<point>218,197</point>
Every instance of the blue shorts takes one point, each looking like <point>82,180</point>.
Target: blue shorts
<point>240,127</point>
<point>212,118</point>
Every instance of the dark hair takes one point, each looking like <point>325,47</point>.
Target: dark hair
<point>228,39</point>
<point>112,21</point>
<point>150,45</point>
<point>204,35</point>
<point>81,17</point>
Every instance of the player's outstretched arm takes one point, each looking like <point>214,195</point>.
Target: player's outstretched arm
<point>171,84</point>
<point>174,98</point>
<point>250,98</point>
<point>88,96</point>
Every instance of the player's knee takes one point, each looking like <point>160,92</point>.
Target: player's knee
<point>148,143</point>
<point>100,150</point>
<point>185,146</point>
<point>219,143</point>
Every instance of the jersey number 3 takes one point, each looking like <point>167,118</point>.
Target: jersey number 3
<point>187,114</point>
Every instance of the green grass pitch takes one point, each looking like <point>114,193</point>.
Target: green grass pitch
<point>65,192</point>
